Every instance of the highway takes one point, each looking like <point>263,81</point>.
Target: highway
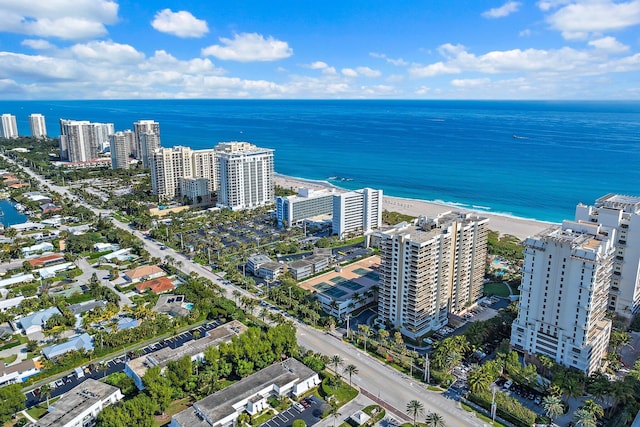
<point>374,376</point>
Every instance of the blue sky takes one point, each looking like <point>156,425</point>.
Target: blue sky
<point>310,49</point>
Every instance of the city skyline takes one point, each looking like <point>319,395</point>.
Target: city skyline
<point>549,49</point>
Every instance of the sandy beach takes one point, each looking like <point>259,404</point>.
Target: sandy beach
<point>521,228</point>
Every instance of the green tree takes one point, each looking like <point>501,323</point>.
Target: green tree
<point>552,406</point>
<point>336,361</point>
<point>12,400</point>
<point>433,419</point>
<point>351,369</point>
<point>414,409</point>
<point>584,418</point>
<point>45,393</point>
<point>298,423</point>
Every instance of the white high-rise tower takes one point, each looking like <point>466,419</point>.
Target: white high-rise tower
<point>147,140</point>
<point>9,128</point>
<point>37,125</point>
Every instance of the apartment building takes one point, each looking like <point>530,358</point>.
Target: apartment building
<point>563,300</point>
<point>168,166</point>
<point>9,126</point>
<point>246,175</point>
<point>37,125</point>
<point>120,149</point>
<point>292,210</point>
<point>431,268</point>
<point>357,212</point>
<point>81,141</point>
<point>622,213</point>
<point>148,133</point>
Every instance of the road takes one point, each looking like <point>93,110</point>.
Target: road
<point>375,377</point>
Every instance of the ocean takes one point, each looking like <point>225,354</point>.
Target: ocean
<point>533,160</point>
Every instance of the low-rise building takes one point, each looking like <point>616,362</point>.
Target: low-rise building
<point>157,286</point>
<point>289,377</point>
<point>271,270</point>
<point>80,342</point>
<point>18,372</point>
<point>136,368</point>
<point>46,260</point>
<point>173,305</point>
<point>37,249</point>
<point>81,405</point>
<point>104,247</point>
<point>19,278</point>
<point>255,261</point>
<point>6,304</point>
<point>52,270</point>
<point>300,269</point>
<point>145,272</point>
<point>34,322</point>
<point>119,255</point>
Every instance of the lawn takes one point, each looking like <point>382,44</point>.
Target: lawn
<point>499,289</point>
<point>175,407</point>
<point>40,409</point>
<point>341,394</point>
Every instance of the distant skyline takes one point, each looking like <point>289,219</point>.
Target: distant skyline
<point>306,49</point>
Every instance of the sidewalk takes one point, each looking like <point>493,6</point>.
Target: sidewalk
<point>346,411</point>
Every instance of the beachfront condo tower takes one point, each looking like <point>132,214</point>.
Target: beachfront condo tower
<point>563,300</point>
<point>80,141</point>
<point>622,213</point>
<point>168,166</point>
<point>357,212</point>
<point>147,140</point>
<point>9,126</point>
<point>431,268</point>
<point>37,125</point>
<point>293,210</point>
<point>246,175</point>
<point>120,149</point>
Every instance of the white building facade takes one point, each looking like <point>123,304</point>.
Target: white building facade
<point>140,128</point>
<point>565,284</point>
<point>120,149</point>
<point>429,269</point>
<point>246,175</point>
<point>37,125</point>
<point>9,128</point>
<point>622,213</point>
<point>168,166</point>
<point>81,141</point>
<point>357,212</point>
<point>292,210</point>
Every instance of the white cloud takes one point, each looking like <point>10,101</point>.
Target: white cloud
<point>37,44</point>
<point>399,62</point>
<point>318,65</point>
<point>368,72</point>
<point>470,82</point>
<point>577,20</point>
<point>65,19</point>
<point>500,12</point>
<point>248,47</point>
<point>609,44</point>
<point>349,72</point>
<point>422,90</point>
<point>107,51</point>
<point>525,33</point>
<point>181,24</point>
<point>432,70</point>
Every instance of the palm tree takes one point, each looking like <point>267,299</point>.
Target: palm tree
<point>336,361</point>
<point>415,408</point>
<point>433,419</point>
<point>584,418</point>
<point>45,393</point>
<point>593,408</point>
<point>351,369</point>
<point>333,411</point>
<point>236,294</point>
<point>552,406</point>
<point>366,332</point>
<point>479,380</point>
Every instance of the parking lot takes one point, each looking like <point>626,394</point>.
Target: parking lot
<point>66,383</point>
<point>310,413</point>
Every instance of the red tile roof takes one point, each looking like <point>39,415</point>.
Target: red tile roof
<point>157,286</point>
<point>43,260</point>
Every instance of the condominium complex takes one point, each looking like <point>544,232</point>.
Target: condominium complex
<point>292,210</point>
<point>120,148</point>
<point>147,140</point>
<point>246,175</point>
<point>357,212</point>
<point>80,141</point>
<point>563,300</point>
<point>9,126</point>
<point>431,268</point>
<point>37,125</point>
<point>622,213</point>
<point>168,165</point>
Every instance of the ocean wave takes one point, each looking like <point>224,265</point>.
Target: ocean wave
<point>484,208</point>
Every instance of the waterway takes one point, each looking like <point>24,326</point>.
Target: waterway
<point>10,215</point>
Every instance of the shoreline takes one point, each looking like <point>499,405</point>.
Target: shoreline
<point>503,223</point>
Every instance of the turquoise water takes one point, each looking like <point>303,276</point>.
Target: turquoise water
<point>188,306</point>
<point>9,214</point>
<point>463,153</point>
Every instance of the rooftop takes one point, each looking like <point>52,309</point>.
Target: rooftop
<point>83,307</point>
<point>220,404</point>
<point>157,286</point>
<point>74,402</point>
<point>38,318</point>
<point>143,271</point>
<point>171,304</point>
<point>424,229</point>
<point>84,341</point>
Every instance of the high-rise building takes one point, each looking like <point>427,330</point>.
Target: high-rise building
<point>168,166</point>
<point>37,125</point>
<point>291,210</point>
<point>622,213</point>
<point>357,212</point>
<point>204,165</point>
<point>81,141</point>
<point>9,126</point>
<point>563,299</point>
<point>196,190</point>
<point>246,175</point>
<point>141,128</point>
<point>120,149</point>
<point>431,268</point>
